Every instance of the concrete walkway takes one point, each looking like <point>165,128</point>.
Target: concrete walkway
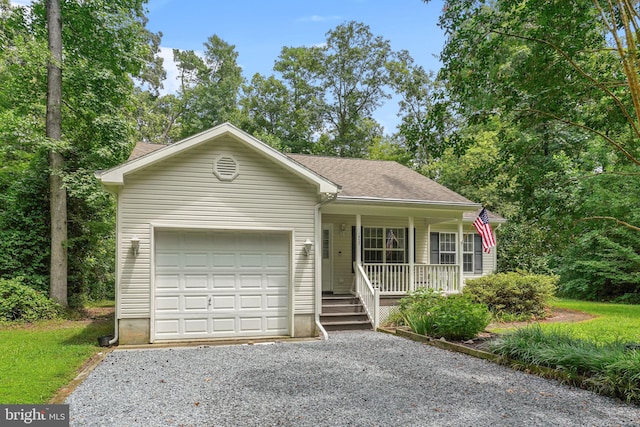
<point>353,379</point>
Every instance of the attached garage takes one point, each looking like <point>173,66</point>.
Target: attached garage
<point>220,284</point>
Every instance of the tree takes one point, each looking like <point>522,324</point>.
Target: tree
<point>562,77</point>
<point>210,87</point>
<point>354,76</point>
<point>105,46</point>
<point>57,192</point>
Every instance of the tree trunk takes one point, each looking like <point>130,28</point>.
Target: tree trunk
<point>58,194</point>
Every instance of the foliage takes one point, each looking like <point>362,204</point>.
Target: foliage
<point>612,322</point>
<point>520,294</point>
<point>19,302</point>
<point>105,47</point>
<point>453,317</point>
<point>552,84</point>
<point>611,369</point>
<point>324,98</point>
<point>38,359</point>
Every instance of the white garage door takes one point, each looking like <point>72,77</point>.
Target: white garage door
<point>221,284</point>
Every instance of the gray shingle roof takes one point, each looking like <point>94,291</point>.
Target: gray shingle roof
<point>379,179</point>
<point>144,148</point>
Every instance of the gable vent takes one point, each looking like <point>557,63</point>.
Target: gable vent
<point>226,168</point>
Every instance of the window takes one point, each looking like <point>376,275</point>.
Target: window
<point>447,248</point>
<point>442,248</point>
<point>467,253</point>
<point>383,245</point>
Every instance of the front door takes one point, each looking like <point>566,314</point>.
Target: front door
<point>327,268</point>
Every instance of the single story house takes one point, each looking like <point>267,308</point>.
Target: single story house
<point>222,236</point>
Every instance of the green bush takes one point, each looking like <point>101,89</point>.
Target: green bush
<point>513,294</point>
<point>453,317</point>
<point>611,369</point>
<point>19,302</point>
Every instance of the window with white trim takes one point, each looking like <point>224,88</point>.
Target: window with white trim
<point>472,256</point>
<point>467,253</point>
<point>384,245</point>
<point>447,248</point>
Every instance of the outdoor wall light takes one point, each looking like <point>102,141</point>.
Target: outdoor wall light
<point>135,245</point>
<point>307,246</point>
<point>343,229</point>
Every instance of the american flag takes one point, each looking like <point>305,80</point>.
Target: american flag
<point>484,229</point>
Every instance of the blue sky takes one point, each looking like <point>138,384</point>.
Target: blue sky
<point>259,29</point>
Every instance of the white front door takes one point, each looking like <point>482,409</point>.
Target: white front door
<point>327,268</point>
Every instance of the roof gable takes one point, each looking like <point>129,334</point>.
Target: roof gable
<point>145,155</point>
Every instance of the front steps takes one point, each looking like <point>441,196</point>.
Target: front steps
<point>343,312</point>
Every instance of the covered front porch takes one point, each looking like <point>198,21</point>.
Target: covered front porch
<point>374,256</point>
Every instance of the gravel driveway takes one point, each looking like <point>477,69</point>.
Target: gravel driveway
<point>353,379</point>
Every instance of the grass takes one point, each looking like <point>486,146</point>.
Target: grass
<point>600,354</point>
<point>613,322</point>
<point>39,358</point>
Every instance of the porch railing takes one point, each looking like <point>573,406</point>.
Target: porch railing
<point>395,279</point>
<point>369,295</point>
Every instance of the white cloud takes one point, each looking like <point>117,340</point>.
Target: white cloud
<point>170,84</point>
<point>318,18</point>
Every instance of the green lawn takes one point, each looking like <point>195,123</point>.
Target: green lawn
<point>612,322</point>
<point>37,359</point>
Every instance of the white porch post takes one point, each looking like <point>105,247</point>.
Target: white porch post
<point>412,243</point>
<point>460,254</point>
<point>358,240</point>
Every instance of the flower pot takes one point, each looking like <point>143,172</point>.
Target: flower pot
<point>103,341</point>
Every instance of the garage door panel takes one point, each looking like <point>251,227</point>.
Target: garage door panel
<point>277,281</point>
<point>221,284</point>
<point>250,302</point>
<point>168,259</point>
<point>276,302</point>
<point>251,324</point>
<point>251,281</point>
<point>224,302</point>
<point>171,303</point>
<point>224,281</point>
<point>277,261</point>
<point>196,302</point>
<point>196,326</point>
<point>276,323</point>
<point>166,327</point>
<point>196,240</point>
<point>196,281</point>
<point>224,324</point>
<point>196,260</point>
<point>168,281</point>
<point>224,260</point>
<point>250,261</point>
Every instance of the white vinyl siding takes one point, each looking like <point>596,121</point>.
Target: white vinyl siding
<point>183,192</point>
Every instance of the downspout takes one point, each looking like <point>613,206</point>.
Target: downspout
<point>116,328</point>
<point>318,265</point>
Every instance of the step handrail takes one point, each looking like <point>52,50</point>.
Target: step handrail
<point>369,296</point>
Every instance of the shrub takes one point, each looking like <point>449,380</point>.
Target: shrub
<point>611,369</point>
<point>513,294</point>
<point>19,302</point>
<point>453,317</point>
